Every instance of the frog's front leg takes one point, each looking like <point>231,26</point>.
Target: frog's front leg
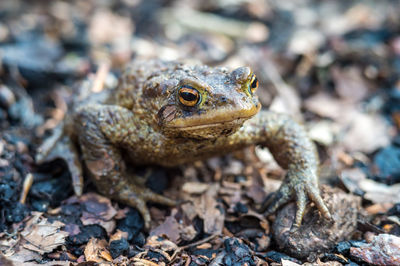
<point>102,130</point>
<point>294,151</point>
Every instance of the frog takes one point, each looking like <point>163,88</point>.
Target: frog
<point>171,113</point>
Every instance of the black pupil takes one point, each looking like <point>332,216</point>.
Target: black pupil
<point>254,83</point>
<point>188,96</point>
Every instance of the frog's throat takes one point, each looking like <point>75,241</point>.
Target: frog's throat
<point>215,118</point>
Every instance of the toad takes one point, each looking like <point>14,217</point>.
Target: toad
<point>169,113</point>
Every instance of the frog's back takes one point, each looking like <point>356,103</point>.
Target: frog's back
<point>131,84</point>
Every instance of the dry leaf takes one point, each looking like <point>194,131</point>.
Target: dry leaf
<point>210,211</point>
<point>367,132</point>
<point>361,132</point>
<point>96,250</point>
<point>98,210</point>
<point>289,263</point>
<point>169,228</point>
<point>195,187</point>
<point>379,192</point>
<point>349,83</point>
<point>155,242</point>
<point>43,236</point>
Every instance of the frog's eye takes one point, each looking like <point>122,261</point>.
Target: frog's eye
<point>253,85</point>
<point>188,96</point>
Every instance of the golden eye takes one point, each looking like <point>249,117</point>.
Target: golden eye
<point>253,85</point>
<point>188,96</point>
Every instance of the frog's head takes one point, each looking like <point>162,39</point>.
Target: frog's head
<point>207,103</point>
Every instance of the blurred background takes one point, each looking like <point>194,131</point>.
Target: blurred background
<point>337,62</point>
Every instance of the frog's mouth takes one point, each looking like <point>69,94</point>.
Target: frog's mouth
<point>217,118</point>
<point>213,125</point>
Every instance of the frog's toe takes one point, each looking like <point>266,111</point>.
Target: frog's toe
<point>315,196</point>
<point>137,197</point>
<point>279,198</point>
<point>140,205</point>
<point>303,189</point>
<point>157,198</point>
<point>301,206</point>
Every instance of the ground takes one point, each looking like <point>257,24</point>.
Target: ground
<point>333,65</point>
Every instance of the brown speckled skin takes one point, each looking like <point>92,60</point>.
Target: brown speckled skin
<point>144,119</point>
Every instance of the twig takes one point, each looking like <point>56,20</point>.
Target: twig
<point>202,241</point>
<point>28,181</point>
<point>101,75</point>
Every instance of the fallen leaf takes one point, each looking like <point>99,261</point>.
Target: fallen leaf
<point>210,211</point>
<point>358,131</point>
<point>98,210</point>
<point>379,208</point>
<point>118,235</point>
<point>107,27</point>
<point>43,236</point>
<point>169,228</point>
<point>174,229</point>
<point>305,41</point>
<point>325,105</point>
<point>156,242</point>
<point>96,250</point>
<point>289,263</point>
<point>351,178</point>
<point>349,83</point>
<point>194,187</point>
<point>19,255</point>
<point>379,192</point>
<point>367,132</point>
<point>323,132</point>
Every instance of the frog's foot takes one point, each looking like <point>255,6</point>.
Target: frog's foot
<point>66,150</point>
<point>137,197</point>
<point>297,185</point>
